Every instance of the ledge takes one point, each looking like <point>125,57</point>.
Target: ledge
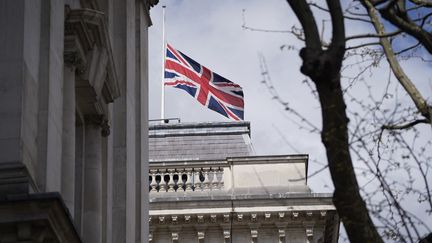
<point>199,129</point>
<point>229,196</point>
<point>42,211</point>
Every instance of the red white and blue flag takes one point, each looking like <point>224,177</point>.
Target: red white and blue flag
<point>209,88</point>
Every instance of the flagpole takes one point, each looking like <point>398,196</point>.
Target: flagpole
<point>163,66</point>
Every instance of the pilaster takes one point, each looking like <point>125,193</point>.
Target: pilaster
<point>68,146</point>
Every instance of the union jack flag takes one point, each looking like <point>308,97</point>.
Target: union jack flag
<point>209,88</point>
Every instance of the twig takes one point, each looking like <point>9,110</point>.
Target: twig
<point>405,126</point>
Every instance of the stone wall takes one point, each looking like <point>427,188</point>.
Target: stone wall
<point>73,111</point>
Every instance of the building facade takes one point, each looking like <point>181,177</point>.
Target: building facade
<point>73,120</point>
<point>207,185</point>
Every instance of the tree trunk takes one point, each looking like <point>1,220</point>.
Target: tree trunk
<point>347,199</point>
<point>323,67</point>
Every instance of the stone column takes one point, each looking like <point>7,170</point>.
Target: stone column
<point>92,189</point>
<point>19,70</point>
<point>68,157</point>
<point>50,107</point>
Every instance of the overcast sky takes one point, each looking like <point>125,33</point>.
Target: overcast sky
<point>210,32</point>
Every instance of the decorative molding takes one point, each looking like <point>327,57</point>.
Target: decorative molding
<point>87,47</point>
<point>253,217</point>
<point>187,218</point>
<point>201,235</point>
<point>254,235</point>
<point>323,213</point>
<point>281,215</point>
<point>174,236</point>
<point>239,217</point>
<point>25,216</point>
<point>200,219</point>
<point>227,233</point>
<point>282,234</point>
<point>309,233</point>
<point>101,121</point>
<point>74,53</point>
<point>174,219</point>
<point>304,218</point>
<point>226,218</point>
<point>267,216</point>
<point>89,27</point>
<point>15,179</point>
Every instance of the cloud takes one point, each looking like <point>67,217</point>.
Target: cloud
<point>210,32</point>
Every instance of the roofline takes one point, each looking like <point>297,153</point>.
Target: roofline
<point>241,160</point>
<point>184,125</point>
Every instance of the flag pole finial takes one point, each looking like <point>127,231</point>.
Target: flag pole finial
<point>163,66</point>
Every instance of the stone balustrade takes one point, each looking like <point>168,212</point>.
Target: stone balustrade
<point>186,179</point>
<point>263,173</point>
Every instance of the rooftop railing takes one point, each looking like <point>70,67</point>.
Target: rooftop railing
<point>224,175</point>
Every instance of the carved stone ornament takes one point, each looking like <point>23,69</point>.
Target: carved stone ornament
<point>201,235</point>
<point>174,219</point>
<point>226,218</point>
<point>254,217</point>
<point>239,217</point>
<point>87,47</point>
<point>101,121</point>
<point>174,236</point>
<point>200,218</point>
<point>227,233</point>
<point>187,218</point>
<point>254,233</point>
<point>309,232</point>
<point>281,233</point>
<point>85,29</point>
<point>323,213</point>
<point>281,215</point>
<point>150,237</point>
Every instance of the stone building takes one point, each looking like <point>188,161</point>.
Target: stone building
<point>207,185</point>
<point>73,120</point>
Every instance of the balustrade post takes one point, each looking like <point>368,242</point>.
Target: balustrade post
<point>180,180</point>
<point>206,181</point>
<point>220,178</point>
<point>162,183</point>
<point>189,179</point>
<point>197,180</point>
<point>153,183</point>
<point>215,181</point>
<point>171,182</point>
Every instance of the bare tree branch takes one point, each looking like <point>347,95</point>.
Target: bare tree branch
<point>405,126</point>
<point>362,45</point>
<point>345,16</point>
<point>307,20</point>
<point>395,13</point>
<point>373,35</point>
<point>425,3</point>
<point>417,98</point>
